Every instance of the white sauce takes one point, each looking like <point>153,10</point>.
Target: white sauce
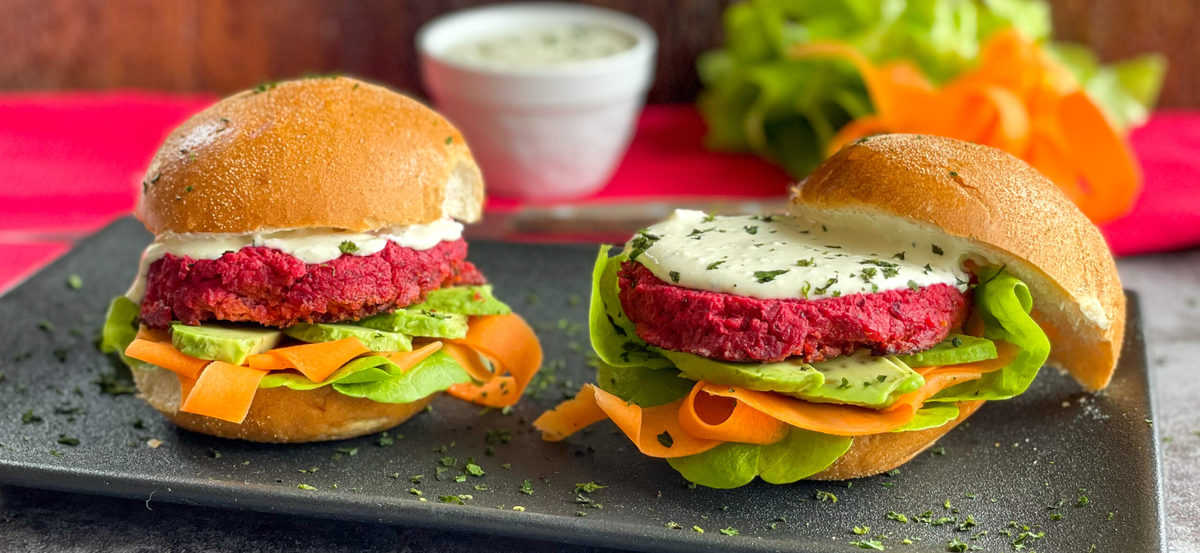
<point>781,257</point>
<point>543,46</point>
<point>312,245</point>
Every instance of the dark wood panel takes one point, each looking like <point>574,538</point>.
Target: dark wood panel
<point>225,45</point>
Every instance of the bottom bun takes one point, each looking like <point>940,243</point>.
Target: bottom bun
<point>879,453</point>
<point>281,415</point>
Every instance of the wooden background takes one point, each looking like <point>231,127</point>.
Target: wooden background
<point>226,45</point>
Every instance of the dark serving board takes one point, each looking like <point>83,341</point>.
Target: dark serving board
<point>1029,460</point>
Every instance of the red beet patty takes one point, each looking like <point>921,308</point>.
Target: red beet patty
<point>740,328</point>
<point>272,288</point>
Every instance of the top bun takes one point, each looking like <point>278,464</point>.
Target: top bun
<point>318,152</point>
<point>1000,210</point>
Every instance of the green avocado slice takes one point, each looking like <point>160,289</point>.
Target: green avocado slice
<point>862,379</point>
<point>465,300</point>
<point>374,340</point>
<point>223,343</point>
<point>954,350</point>
<point>784,377</point>
<point>420,322</point>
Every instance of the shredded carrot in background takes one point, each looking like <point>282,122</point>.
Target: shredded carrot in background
<point>1019,99</point>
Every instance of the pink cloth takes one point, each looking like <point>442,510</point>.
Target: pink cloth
<point>71,162</point>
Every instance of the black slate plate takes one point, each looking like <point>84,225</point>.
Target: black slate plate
<point>1028,461</point>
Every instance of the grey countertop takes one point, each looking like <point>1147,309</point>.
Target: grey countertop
<point>37,521</point>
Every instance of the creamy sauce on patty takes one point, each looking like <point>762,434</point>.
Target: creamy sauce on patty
<point>785,257</point>
<point>313,245</point>
<point>543,46</point>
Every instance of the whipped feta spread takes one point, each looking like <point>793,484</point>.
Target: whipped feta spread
<point>782,257</point>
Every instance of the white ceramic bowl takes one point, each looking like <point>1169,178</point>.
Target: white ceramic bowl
<point>547,132</point>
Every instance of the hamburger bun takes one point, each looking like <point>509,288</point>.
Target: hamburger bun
<point>328,152</point>
<point>999,210</point>
<point>280,415</point>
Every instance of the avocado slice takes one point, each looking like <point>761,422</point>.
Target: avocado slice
<point>784,377</point>
<point>375,340</point>
<point>465,300</point>
<point>862,379</point>
<point>954,350</point>
<point>223,343</point>
<point>420,322</point>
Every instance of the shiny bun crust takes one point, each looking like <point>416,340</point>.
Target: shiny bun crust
<point>879,453</point>
<point>319,152</point>
<point>281,415</point>
<point>999,209</point>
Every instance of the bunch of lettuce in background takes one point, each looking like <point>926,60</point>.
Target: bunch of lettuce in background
<point>758,100</point>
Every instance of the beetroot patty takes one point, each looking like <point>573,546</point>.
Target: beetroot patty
<point>740,328</point>
<point>272,288</point>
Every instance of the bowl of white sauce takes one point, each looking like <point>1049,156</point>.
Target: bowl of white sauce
<point>546,94</point>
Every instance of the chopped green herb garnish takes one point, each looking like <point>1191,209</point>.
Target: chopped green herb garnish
<point>768,276</point>
<point>937,250</point>
<point>474,470</point>
<point>674,276</point>
<point>588,487</point>
<point>805,262</point>
<point>715,264</point>
<point>306,487</point>
<point>751,229</point>
<point>957,546</point>
<point>822,495</point>
<point>898,517</point>
<point>28,417</point>
<point>729,531</point>
<point>828,283</point>
<point>875,545</point>
<point>665,439</point>
<point>347,247</point>
<point>527,487</point>
<point>74,281</point>
<point>673,525</point>
<point>68,440</point>
<point>912,285</point>
<point>415,492</point>
<point>860,530</point>
<point>697,529</point>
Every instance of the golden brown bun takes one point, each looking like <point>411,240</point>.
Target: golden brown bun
<point>279,414</point>
<point>320,152</point>
<point>879,453</point>
<point>999,209</point>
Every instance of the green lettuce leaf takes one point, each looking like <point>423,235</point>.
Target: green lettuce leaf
<point>930,416</point>
<point>800,454</point>
<point>377,379</point>
<point>1004,302</point>
<point>612,333</point>
<point>120,326</point>
<point>465,300</point>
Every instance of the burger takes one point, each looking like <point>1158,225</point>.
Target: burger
<point>308,279</point>
<point>914,279</point>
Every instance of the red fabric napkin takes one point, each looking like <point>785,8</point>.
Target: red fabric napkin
<point>71,162</point>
